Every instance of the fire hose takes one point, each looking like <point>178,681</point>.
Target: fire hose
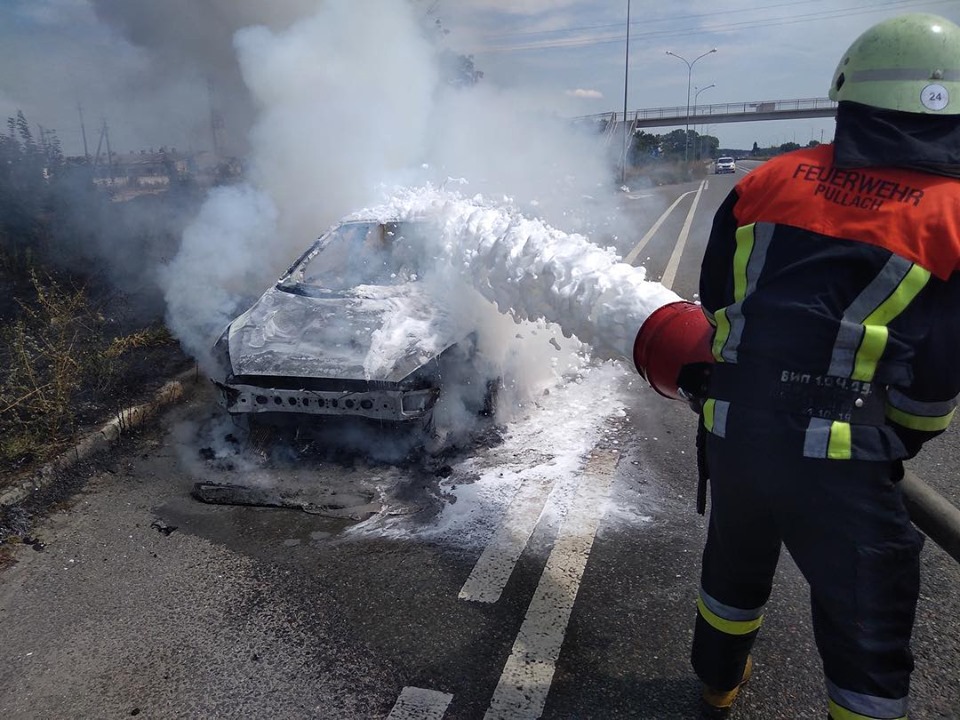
<point>678,334</point>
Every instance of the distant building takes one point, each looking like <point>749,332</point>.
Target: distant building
<point>128,175</point>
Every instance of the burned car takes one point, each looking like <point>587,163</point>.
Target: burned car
<point>351,330</point>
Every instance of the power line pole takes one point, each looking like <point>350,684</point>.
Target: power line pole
<point>83,133</point>
<point>216,122</point>
<point>106,135</point>
<point>626,75</point>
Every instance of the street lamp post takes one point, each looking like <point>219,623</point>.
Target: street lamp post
<point>706,129</point>
<point>686,137</point>
<point>626,74</point>
<point>696,98</point>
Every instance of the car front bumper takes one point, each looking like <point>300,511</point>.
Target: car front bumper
<point>394,405</point>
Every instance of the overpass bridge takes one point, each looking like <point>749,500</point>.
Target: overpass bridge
<point>611,123</point>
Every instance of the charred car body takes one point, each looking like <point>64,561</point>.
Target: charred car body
<point>349,331</point>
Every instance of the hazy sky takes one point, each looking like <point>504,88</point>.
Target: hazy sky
<point>571,53</point>
<point>152,69</point>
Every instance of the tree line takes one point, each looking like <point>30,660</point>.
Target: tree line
<point>649,148</point>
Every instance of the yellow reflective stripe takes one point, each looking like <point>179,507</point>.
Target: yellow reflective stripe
<point>925,423</point>
<point>709,408</point>
<point>871,348</point>
<point>721,335</point>
<point>841,713</point>
<point>875,331</point>
<point>741,259</point>
<point>728,627</point>
<point>839,446</point>
<point>745,242</point>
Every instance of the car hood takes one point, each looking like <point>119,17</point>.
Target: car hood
<point>369,333</point>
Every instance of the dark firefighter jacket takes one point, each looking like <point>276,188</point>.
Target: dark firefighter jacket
<point>835,297</point>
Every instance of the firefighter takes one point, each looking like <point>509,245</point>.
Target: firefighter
<point>830,282</point>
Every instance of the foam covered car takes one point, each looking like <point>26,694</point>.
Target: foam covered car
<point>351,330</point>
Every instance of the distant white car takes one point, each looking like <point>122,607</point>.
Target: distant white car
<point>725,165</point>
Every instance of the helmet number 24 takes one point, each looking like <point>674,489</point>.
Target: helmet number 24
<point>935,97</point>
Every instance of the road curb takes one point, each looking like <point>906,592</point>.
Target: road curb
<point>176,390</point>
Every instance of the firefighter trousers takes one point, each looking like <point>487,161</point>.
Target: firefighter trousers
<point>844,524</point>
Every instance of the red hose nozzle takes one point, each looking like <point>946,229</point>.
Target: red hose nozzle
<point>674,335</point>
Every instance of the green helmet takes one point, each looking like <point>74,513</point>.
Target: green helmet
<point>909,63</point>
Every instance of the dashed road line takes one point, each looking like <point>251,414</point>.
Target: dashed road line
<point>632,255</point>
<point>420,704</point>
<point>499,557</point>
<point>521,692</point>
<point>670,273</point>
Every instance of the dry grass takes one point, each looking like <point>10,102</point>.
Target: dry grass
<point>58,365</point>
<point>51,355</point>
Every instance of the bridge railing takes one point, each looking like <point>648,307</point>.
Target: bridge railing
<point>705,111</point>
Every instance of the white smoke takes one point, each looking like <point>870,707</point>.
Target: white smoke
<point>225,259</point>
<point>502,147</point>
<point>345,103</point>
<point>350,105</point>
<point>340,108</point>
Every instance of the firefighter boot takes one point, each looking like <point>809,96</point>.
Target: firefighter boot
<point>716,704</point>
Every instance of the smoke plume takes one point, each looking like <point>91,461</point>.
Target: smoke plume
<point>349,104</point>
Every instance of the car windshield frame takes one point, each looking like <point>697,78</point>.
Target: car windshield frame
<point>353,254</point>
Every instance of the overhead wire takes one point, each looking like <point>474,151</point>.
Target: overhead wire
<point>647,21</point>
<point>728,27</point>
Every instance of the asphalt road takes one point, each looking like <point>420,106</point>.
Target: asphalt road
<point>574,599</point>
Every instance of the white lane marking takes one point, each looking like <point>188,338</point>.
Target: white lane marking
<point>493,569</point>
<point>419,704</point>
<point>632,255</point>
<point>521,692</point>
<point>671,271</point>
